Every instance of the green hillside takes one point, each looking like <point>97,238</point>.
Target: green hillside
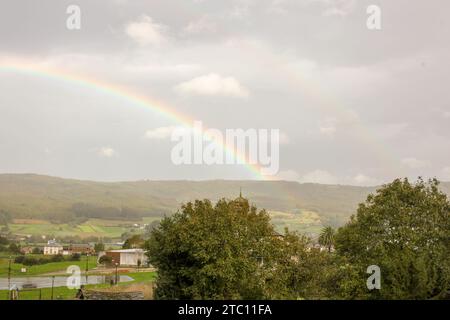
<point>27,196</point>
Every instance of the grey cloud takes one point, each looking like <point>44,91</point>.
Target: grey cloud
<point>352,102</point>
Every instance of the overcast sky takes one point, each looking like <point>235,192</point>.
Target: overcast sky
<point>354,106</point>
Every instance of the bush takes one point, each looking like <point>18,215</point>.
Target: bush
<point>43,260</point>
<point>14,248</point>
<point>37,251</point>
<point>99,247</point>
<point>30,261</point>
<point>57,258</point>
<point>75,257</point>
<point>19,259</point>
<point>4,241</point>
<point>106,260</point>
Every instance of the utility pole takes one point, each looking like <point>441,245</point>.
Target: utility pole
<point>53,284</point>
<point>9,273</point>
<point>117,279</point>
<point>87,267</point>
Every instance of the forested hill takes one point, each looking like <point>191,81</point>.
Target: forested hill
<point>58,199</point>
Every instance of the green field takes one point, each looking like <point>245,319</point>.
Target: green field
<point>42,268</point>
<point>90,228</point>
<point>304,221</point>
<point>307,222</point>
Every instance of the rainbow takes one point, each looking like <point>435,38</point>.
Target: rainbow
<point>135,99</point>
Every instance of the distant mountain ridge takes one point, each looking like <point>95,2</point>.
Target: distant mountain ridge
<point>44,197</point>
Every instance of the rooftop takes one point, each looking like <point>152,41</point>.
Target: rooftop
<point>128,251</point>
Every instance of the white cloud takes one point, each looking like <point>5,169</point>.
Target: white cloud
<point>319,176</point>
<point>107,152</point>
<point>213,84</point>
<point>392,130</point>
<point>324,177</point>
<point>162,70</point>
<point>414,163</point>
<point>339,8</point>
<point>363,180</point>
<point>328,127</point>
<point>160,133</point>
<point>327,130</point>
<point>334,12</point>
<point>202,25</point>
<point>288,175</point>
<point>240,10</point>
<point>146,32</point>
<point>329,7</point>
<point>447,114</point>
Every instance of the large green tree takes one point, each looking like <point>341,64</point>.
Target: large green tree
<point>404,229</point>
<point>222,251</point>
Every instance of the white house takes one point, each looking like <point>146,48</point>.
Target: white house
<point>53,249</point>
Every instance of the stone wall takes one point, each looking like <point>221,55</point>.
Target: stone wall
<point>99,295</point>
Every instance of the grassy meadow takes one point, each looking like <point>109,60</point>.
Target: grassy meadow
<point>41,269</point>
<point>90,228</point>
<point>307,222</point>
<point>304,221</point>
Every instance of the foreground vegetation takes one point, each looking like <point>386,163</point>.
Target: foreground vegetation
<point>231,251</point>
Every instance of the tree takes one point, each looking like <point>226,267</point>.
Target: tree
<point>98,247</point>
<point>30,261</point>
<point>14,248</point>
<point>57,258</point>
<point>75,257</point>
<point>19,259</point>
<point>405,230</point>
<point>139,263</point>
<point>226,251</point>
<point>133,242</point>
<point>302,271</point>
<point>105,260</point>
<point>4,244</point>
<point>4,241</point>
<point>326,238</point>
<point>149,228</point>
<point>36,250</point>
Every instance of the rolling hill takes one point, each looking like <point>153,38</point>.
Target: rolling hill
<point>29,196</point>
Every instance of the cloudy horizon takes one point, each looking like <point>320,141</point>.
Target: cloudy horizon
<point>354,106</point>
